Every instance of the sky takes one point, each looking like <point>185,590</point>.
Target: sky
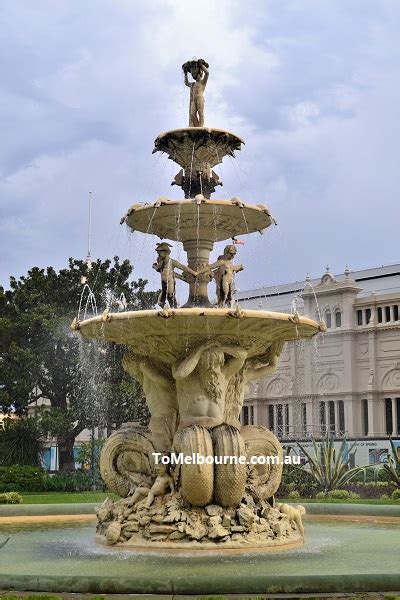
<point>313,86</point>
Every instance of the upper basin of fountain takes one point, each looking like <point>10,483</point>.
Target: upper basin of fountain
<point>168,339</point>
<point>215,220</point>
<point>202,145</point>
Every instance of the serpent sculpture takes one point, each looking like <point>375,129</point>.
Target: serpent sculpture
<point>197,476</point>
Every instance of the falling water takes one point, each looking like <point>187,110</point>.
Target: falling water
<point>309,284</point>
<point>191,170</point>
<point>90,300</point>
<point>197,245</point>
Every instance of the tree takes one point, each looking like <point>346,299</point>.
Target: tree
<point>40,357</point>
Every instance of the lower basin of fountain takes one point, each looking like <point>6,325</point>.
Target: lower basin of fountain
<point>337,557</point>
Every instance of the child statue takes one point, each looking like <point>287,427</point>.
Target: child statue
<point>223,273</point>
<point>199,71</point>
<point>165,265</point>
<point>163,482</point>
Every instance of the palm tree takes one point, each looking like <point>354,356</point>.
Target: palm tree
<point>330,468</point>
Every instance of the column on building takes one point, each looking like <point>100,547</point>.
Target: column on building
<point>350,378</point>
<point>376,405</point>
<point>376,416</point>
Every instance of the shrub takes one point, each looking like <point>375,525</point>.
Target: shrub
<point>296,478</point>
<point>79,481</point>
<point>337,495</point>
<point>10,498</point>
<point>370,490</point>
<point>392,466</point>
<point>20,443</point>
<point>396,494</point>
<point>21,478</point>
<point>330,467</point>
<point>384,497</point>
<point>294,495</point>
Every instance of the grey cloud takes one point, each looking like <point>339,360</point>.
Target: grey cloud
<point>312,86</point>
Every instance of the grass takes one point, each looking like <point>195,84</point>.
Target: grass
<point>87,597</point>
<point>65,497</point>
<point>82,497</point>
<point>45,597</point>
<point>382,501</point>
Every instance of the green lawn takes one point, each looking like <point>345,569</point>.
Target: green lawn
<point>105,597</point>
<point>77,497</point>
<point>347,501</point>
<point>65,497</point>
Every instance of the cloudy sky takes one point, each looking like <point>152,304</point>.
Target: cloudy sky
<point>313,86</point>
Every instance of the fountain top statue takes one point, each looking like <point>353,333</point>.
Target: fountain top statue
<point>199,71</point>
<point>194,366</point>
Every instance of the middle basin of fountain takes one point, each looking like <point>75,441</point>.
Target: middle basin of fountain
<point>168,336</point>
<point>213,220</point>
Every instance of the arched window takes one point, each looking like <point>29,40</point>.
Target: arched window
<point>338,318</point>
<point>328,319</point>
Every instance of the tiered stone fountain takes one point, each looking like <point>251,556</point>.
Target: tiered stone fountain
<point>194,363</point>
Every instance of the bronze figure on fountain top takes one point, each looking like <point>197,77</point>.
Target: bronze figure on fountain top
<point>199,71</point>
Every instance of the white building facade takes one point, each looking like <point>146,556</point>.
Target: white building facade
<point>345,381</point>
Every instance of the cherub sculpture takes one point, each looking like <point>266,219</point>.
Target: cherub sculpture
<point>199,71</point>
<point>293,513</point>
<point>163,482</point>
<point>223,273</point>
<point>165,265</point>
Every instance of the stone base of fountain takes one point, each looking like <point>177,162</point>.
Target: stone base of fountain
<point>170,523</point>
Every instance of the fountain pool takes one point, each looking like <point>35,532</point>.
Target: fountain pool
<point>337,556</point>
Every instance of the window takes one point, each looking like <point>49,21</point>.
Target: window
<point>342,426</point>
<point>395,312</point>
<point>338,318</point>
<point>322,416</point>
<point>359,317</point>
<point>245,415</point>
<point>271,417</point>
<point>328,319</point>
<point>388,416</point>
<point>367,315</point>
<point>365,416</point>
<point>331,405</point>
<point>279,418</point>
<point>398,415</point>
<point>380,316</point>
<point>251,419</point>
<point>387,313</point>
<point>286,419</point>
<point>304,417</point>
